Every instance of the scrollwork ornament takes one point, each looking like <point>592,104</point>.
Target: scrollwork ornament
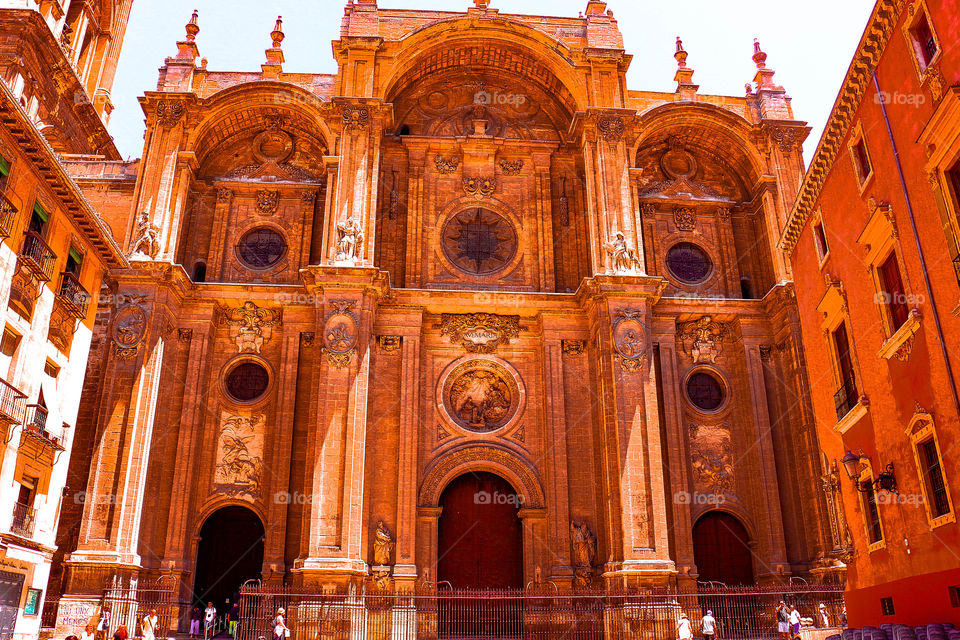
<point>479,187</point>
<point>511,167</point>
<point>355,119</point>
<point>250,326</point>
<point>169,113</point>
<point>479,332</point>
<point>340,333</point>
<point>685,218</point>
<point>611,128</point>
<point>268,200</point>
<point>445,166</point>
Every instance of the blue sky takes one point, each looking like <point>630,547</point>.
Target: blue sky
<point>809,44</point>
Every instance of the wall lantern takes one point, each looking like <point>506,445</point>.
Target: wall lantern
<point>885,480</point>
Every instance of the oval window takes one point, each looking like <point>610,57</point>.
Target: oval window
<point>261,248</point>
<point>688,263</point>
<point>247,381</point>
<point>705,391</point>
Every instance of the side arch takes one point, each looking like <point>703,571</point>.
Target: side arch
<point>481,457</point>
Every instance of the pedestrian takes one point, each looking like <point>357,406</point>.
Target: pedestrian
<point>233,616</point>
<point>209,618</point>
<point>783,620</point>
<point>121,633</point>
<point>103,625</point>
<point>148,626</point>
<point>708,626</point>
<point>824,616</point>
<point>195,616</point>
<point>794,622</point>
<point>684,632</point>
<point>280,629</point>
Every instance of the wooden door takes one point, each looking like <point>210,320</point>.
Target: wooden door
<point>721,549</point>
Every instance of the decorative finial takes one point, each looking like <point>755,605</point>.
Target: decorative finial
<point>277,33</point>
<point>680,55</point>
<point>758,55</point>
<point>481,4</point>
<point>192,27</point>
<point>686,89</point>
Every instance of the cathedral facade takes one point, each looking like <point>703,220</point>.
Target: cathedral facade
<point>469,310</point>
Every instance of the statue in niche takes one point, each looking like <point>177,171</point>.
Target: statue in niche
<point>147,244</point>
<point>623,258</point>
<point>383,544</point>
<point>584,551</point>
<point>349,239</point>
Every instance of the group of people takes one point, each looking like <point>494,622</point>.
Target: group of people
<point>209,618</point>
<point>788,623</point>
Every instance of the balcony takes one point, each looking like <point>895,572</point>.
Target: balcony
<point>24,519</point>
<point>8,214</point>
<point>72,296</point>
<point>846,398</point>
<point>35,426</point>
<point>36,257</point>
<point>13,404</point>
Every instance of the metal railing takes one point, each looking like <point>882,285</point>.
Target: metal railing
<point>8,214</point>
<point>13,403</point>
<point>35,425</point>
<point>72,295</point>
<point>747,613</point>
<point>846,397</point>
<point>38,258</point>
<point>24,519</point>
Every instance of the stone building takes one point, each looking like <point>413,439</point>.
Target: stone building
<point>55,249</point>
<point>469,310</point>
<point>873,240</point>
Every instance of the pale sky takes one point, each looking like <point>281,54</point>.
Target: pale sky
<point>809,44</point>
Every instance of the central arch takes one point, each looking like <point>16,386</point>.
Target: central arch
<point>721,549</point>
<point>230,552</point>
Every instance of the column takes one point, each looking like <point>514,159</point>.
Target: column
<point>558,536</point>
<point>406,558</point>
<point>221,219</point>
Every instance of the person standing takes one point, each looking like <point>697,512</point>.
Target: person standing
<point>824,616</point>
<point>233,616</point>
<point>783,620</point>
<point>684,631</point>
<point>708,626</point>
<point>121,633</point>
<point>794,622</point>
<point>149,625</point>
<point>209,618</point>
<point>103,625</point>
<point>280,629</point>
<point>195,616</point>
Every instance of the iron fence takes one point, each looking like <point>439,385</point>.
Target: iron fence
<point>746,613</point>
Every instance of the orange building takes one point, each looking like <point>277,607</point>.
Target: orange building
<point>873,240</point>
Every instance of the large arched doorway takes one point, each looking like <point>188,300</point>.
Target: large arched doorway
<point>479,535</point>
<point>230,552</point>
<point>721,549</point>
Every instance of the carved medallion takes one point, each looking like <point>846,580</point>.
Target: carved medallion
<point>630,340</point>
<point>479,332</point>
<point>703,338</point>
<point>129,328</point>
<point>446,166</point>
<point>267,201</point>
<point>676,161</point>
<point>479,187</point>
<point>250,325</point>
<point>685,218</point>
<point>611,128</point>
<point>169,113</point>
<point>481,396</point>
<point>340,333</point>
<point>511,167</point>
<point>273,145</point>
<point>479,241</point>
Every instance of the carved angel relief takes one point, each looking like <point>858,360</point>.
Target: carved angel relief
<point>250,325</point>
<point>239,470</point>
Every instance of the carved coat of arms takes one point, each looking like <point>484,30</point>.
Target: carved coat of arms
<point>250,325</point>
<point>479,332</point>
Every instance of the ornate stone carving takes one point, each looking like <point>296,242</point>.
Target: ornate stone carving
<point>239,470</point>
<point>307,198</point>
<point>446,166</point>
<point>479,187</point>
<point>147,244</point>
<point>389,344</point>
<point>935,83</point>
<point>442,434</point>
<point>250,325</point>
<point>511,167</point>
<point>843,549</point>
<point>169,113</point>
<point>705,338</point>
<point>268,200</point>
<point>573,347</point>
<point>611,128</point>
<point>647,210</point>
<point>903,351</point>
<point>584,546</point>
<point>479,332</point>
<point>224,194</point>
<point>349,240</point>
<point>340,333</point>
<point>786,138</point>
<point>563,204</point>
<point>185,335</point>
<point>440,471</point>
<point>685,218</point>
<point>383,544</point>
<point>129,328</point>
<point>308,338</point>
<point>479,241</point>
<point>712,458</point>
<point>724,213</point>
<point>355,119</point>
<point>623,259</point>
<point>481,396</point>
<point>630,340</point>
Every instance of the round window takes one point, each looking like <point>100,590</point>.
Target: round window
<point>705,391</point>
<point>247,382</point>
<point>479,241</point>
<point>688,263</point>
<point>261,248</point>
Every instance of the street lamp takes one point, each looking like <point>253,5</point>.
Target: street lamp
<point>885,480</point>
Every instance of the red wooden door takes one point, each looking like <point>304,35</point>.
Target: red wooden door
<point>480,540</point>
<point>721,549</point>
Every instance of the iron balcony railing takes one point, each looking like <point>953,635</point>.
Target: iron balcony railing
<point>24,518</point>
<point>72,295</point>
<point>13,403</point>
<point>37,257</point>
<point>8,214</point>
<point>846,397</point>
<point>35,426</point>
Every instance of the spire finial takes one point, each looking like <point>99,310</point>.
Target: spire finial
<point>192,27</point>
<point>277,33</point>
<point>758,55</point>
<point>481,4</point>
<point>681,54</point>
<point>686,89</point>
<point>274,65</point>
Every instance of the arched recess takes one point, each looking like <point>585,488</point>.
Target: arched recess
<point>491,458</point>
<point>722,549</point>
<point>229,552</point>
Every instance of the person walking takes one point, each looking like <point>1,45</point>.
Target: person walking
<point>121,633</point>
<point>103,625</point>
<point>209,618</point>
<point>195,616</point>
<point>148,626</point>
<point>794,622</point>
<point>684,631</point>
<point>783,620</point>
<point>280,629</point>
<point>708,626</point>
<point>233,616</point>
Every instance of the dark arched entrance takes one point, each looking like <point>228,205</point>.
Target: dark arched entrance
<point>721,549</point>
<point>230,552</point>
<point>479,537</point>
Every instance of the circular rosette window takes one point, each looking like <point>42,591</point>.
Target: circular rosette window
<point>246,382</point>
<point>479,241</point>
<point>688,263</point>
<point>261,248</point>
<point>481,396</point>
<point>705,391</point>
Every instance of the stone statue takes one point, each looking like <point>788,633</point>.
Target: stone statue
<point>584,551</point>
<point>349,240</point>
<point>624,259</point>
<point>382,545</point>
<point>147,244</point>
